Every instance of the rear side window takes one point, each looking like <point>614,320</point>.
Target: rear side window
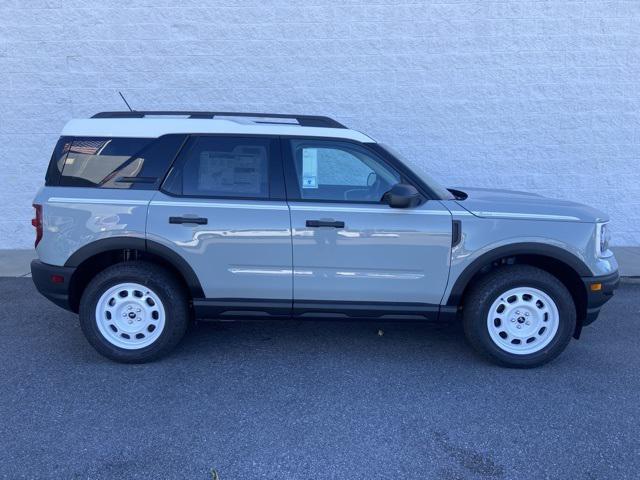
<point>101,162</point>
<point>227,167</point>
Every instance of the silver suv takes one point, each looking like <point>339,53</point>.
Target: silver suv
<point>150,219</point>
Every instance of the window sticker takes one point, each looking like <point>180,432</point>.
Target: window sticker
<point>230,172</point>
<point>310,168</point>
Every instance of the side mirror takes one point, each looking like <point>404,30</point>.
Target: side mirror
<point>402,195</point>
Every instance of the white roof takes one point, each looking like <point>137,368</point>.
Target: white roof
<point>155,127</point>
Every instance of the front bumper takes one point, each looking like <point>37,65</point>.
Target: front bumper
<point>598,296</point>
<point>53,282</point>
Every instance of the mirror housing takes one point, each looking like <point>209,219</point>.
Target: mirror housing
<point>402,195</point>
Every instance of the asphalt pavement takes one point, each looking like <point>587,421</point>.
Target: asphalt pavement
<point>314,400</point>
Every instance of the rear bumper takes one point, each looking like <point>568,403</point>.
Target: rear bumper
<point>53,282</point>
<point>598,297</point>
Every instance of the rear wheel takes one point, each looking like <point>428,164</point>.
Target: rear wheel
<point>519,316</point>
<point>134,312</point>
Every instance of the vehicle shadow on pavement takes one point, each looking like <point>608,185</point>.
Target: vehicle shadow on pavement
<point>348,338</point>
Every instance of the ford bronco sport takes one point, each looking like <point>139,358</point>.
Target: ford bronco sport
<point>149,219</point>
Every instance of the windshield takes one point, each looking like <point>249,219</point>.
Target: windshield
<point>421,171</point>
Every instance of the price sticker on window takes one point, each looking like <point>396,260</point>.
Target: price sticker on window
<point>310,168</point>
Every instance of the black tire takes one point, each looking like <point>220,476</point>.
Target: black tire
<point>488,288</point>
<point>171,293</point>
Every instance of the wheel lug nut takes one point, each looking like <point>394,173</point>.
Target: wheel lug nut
<point>513,320</point>
<point>519,326</point>
<point>528,322</point>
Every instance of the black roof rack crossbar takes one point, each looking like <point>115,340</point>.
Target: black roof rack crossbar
<point>303,120</point>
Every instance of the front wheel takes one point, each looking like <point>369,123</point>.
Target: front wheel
<point>519,316</point>
<point>134,312</point>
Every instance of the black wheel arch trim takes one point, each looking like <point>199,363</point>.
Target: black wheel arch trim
<point>144,245</point>
<point>524,248</point>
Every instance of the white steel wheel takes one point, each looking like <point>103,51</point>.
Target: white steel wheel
<point>130,316</point>
<point>523,320</point>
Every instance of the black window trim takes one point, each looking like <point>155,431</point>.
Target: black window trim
<point>283,183</point>
<point>276,182</point>
<point>378,153</point>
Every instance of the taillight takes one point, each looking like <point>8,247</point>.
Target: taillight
<point>37,222</point>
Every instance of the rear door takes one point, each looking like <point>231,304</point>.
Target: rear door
<point>352,254</point>
<point>222,208</point>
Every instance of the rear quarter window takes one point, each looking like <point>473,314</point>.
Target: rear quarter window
<point>119,163</point>
<point>57,160</point>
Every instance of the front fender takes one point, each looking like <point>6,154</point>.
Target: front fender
<point>492,254</point>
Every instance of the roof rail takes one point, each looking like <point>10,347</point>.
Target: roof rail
<point>303,120</point>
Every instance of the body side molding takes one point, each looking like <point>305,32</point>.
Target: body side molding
<point>332,310</point>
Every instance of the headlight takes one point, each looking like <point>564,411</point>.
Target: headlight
<point>603,235</point>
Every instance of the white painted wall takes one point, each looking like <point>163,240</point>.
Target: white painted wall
<point>534,95</point>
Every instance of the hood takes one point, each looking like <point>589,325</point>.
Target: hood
<point>489,203</point>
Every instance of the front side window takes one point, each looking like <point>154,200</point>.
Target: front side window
<point>340,171</point>
<point>223,167</point>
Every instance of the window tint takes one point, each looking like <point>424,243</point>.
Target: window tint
<point>92,161</point>
<point>223,167</point>
<point>57,160</point>
<point>340,171</point>
<point>139,163</point>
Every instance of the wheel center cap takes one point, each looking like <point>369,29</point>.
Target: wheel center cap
<point>129,319</point>
<point>521,320</point>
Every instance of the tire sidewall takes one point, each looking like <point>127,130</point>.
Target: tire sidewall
<point>566,323</point>
<point>108,279</point>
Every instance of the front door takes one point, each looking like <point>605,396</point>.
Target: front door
<point>222,208</point>
<point>353,254</point>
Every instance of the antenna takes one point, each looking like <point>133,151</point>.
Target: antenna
<point>125,101</point>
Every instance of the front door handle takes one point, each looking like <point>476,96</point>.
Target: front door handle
<point>181,220</point>
<point>323,223</point>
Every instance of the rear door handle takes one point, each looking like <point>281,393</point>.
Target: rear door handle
<point>323,223</point>
<point>195,220</point>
